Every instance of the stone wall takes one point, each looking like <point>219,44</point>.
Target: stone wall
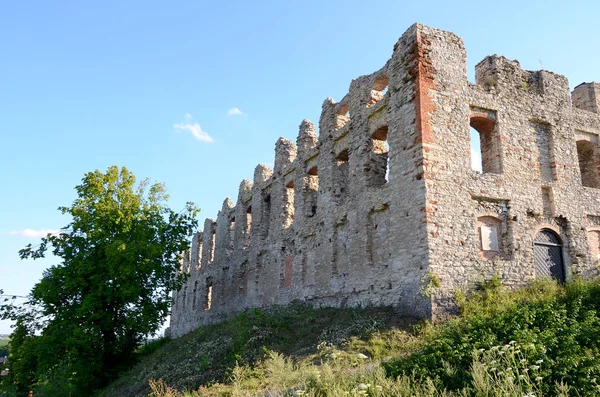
<point>384,198</point>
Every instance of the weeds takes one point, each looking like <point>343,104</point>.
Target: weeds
<point>539,341</point>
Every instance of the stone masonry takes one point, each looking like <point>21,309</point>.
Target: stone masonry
<point>383,204</point>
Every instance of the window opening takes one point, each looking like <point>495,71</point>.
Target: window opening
<point>208,301</point>
<point>486,133</point>
<point>288,205</point>
<point>248,226</point>
<point>378,89</point>
<point>587,154</point>
<point>195,291</point>
<point>213,242</point>
<point>266,219</point>
<point>312,191</point>
<point>341,177</point>
<point>378,167</point>
<point>342,117</point>
<point>231,235</point>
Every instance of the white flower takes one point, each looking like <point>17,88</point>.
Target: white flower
<point>539,361</point>
<point>361,356</point>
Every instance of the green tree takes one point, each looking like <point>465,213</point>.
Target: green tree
<point>119,262</point>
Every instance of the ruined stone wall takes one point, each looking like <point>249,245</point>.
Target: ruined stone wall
<point>534,178</point>
<point>384,197</point>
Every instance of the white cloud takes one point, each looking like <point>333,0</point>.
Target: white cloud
<point>33,233</point>
<point>235,112</point>
<point>475,160</point>
<point>194,128</point>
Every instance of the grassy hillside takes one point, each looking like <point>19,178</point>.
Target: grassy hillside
<point>544,340</point>
<point>209,354</point>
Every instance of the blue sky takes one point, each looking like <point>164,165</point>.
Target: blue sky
<point>195,93</point>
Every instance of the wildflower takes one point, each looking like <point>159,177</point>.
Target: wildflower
<point>538,379</point>
<point>523,361</point>
<point>361,356</point>
<point>481,350</point>
<point>363,386</point>
<point>500,373</point>
<point>534,367</point>
<point>539,361</point>
<point>512,342</point>
<point>521,376</point>
<point>493,362</point>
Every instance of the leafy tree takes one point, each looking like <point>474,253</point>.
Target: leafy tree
<point>119,262</point>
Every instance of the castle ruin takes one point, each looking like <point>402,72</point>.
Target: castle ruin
<point>383,208</point>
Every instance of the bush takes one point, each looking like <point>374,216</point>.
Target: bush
<point>556,328</point>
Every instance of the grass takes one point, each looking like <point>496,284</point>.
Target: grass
<point>540,341</point>
<point>213,353</point>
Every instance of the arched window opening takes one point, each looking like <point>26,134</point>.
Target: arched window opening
<point>248,226</point>
<point>342,117</point>
<point>208,297</point>
<point>288,205</point>
<point>594,242</point>
<point>231,235</point>
<point>485,145</point>
<point>213,246</point>
<point>587,154</point>
<point>312,189</point>
<point>342,171</point>
<point>548,255</point>
<point>378,89</point>
<point>378,163</point>
<point>200,253</point>
<point>489,229</point>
